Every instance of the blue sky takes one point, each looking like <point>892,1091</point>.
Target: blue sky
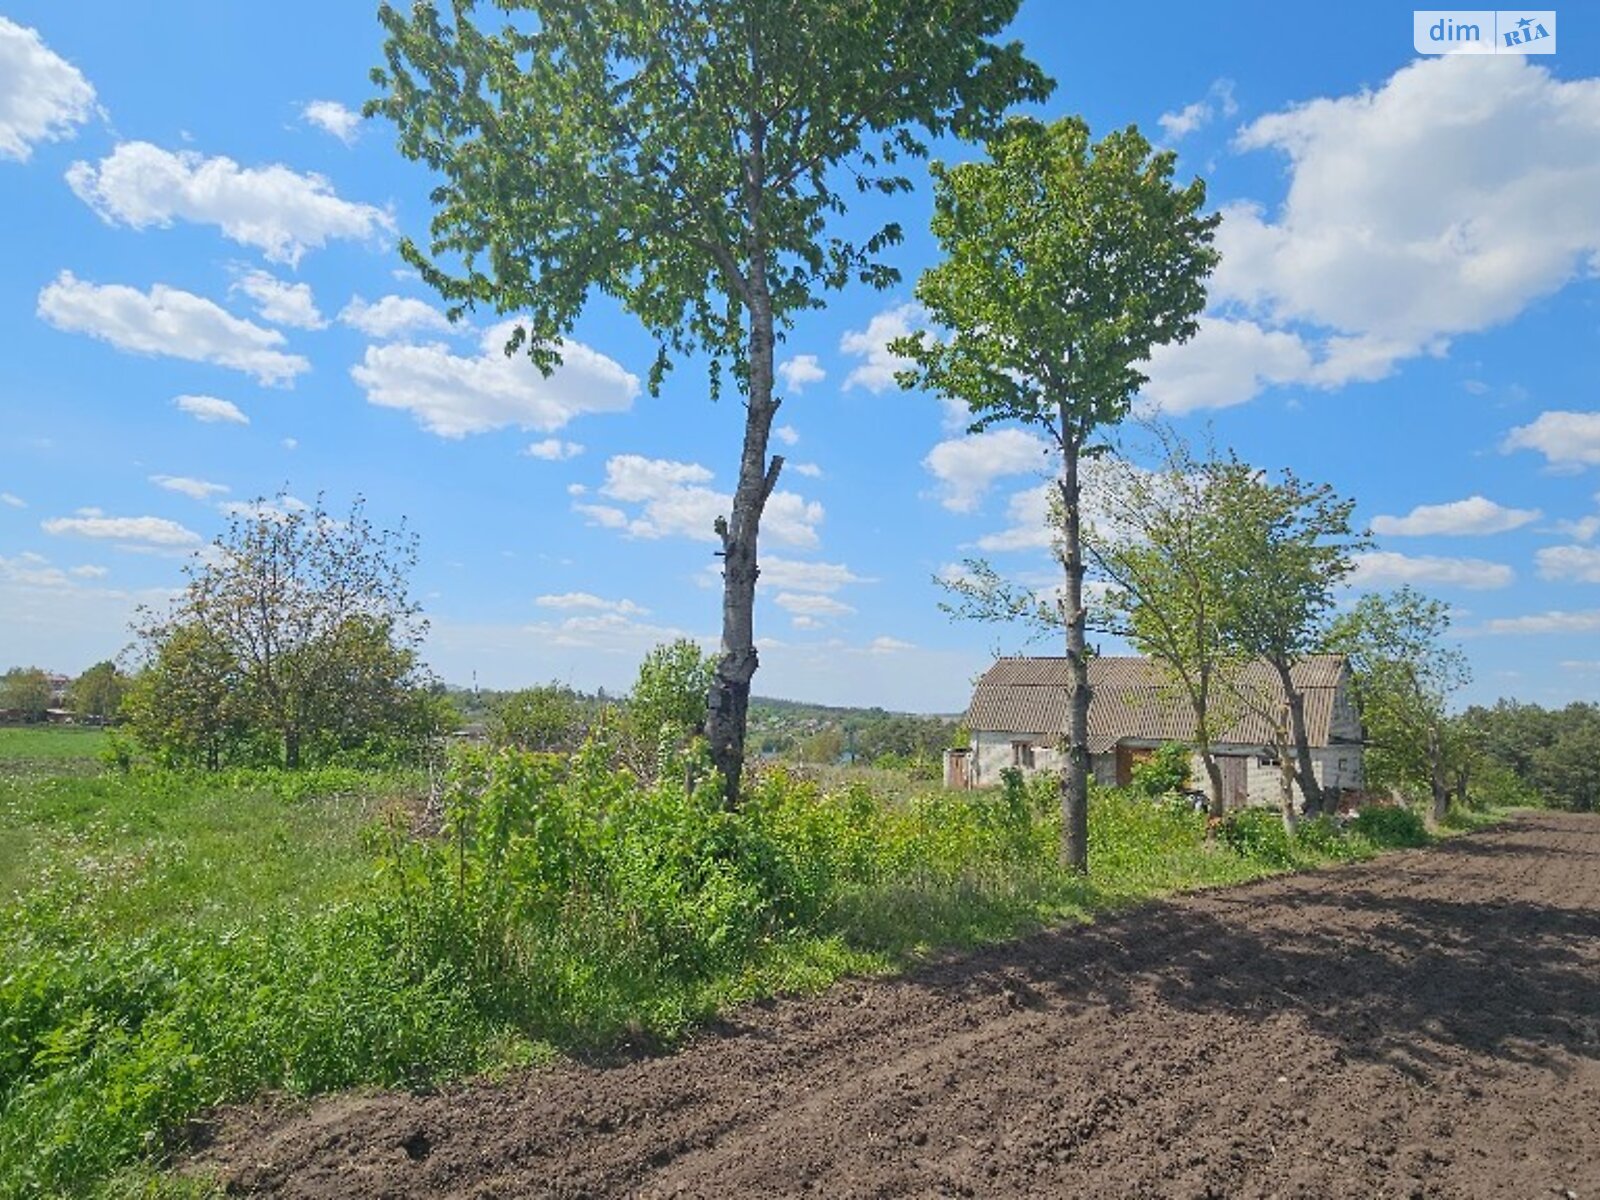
<point>203,305</point>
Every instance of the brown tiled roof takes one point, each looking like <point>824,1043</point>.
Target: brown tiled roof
<point>1132,699</point>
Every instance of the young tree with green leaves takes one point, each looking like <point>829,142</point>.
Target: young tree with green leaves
<point>1066,262</point>
<point>26,690</point>
<point>98,692</point>
<point>302,620</point>
<point>548,718</point>
<point>1405,674</point>
<point>1290,545</point>
<point>685,159</point>
<point>1164,547</point>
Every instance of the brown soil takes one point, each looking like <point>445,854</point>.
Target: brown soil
<point>1424,1025</point>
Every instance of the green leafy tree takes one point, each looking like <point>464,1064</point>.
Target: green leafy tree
<point>1405,674</point>
<point>98,692</point>
<point>669,696</point>
<point>27,691</point>
<point>188,706</point>
<point>685,159</point>
<point>1165,546</point>
<point>1066,262</point>
<point>1289,544</point>
<point>305,621</point>
<point>548,718</point>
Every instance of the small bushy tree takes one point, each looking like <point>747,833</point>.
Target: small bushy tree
<point>27,691</point>
<point>99,691</point>
<point>548,718</point>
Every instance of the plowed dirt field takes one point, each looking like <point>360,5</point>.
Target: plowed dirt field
<point>1424,1025</point>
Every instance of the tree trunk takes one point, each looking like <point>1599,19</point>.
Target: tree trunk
<point>1286,781</point>
<point>1305,769</point>
<point>1075,763</point>
<point>1219,802</point>
<point>1436,781</point>
<point>728,704</point>
<point>291,748</point>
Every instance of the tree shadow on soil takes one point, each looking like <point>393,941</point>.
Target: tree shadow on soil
<point>1386,978</point>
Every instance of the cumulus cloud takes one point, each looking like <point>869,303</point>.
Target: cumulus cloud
<point>280,212</point>
<point>1554,621</point>
<point>674,500</point>
<point>553,450</point>
<point>43,97</point>
<point>966,467</point>
<point>11,500</point>
<point>1474,515</point>
<point>809,470</point>
<point>795,575</point>
<point>787,434</point>
<point>279,302</point>
<point>1569,441</point>
<point>1218,101</point>
<point>888,645</point>
<point>1382,568</point>
<point>171,322</point>
<point>392,316</point>
<point>144,531</point>
<point>197,489</point>
<point>210,409</point>
<point>811,604</point>
<point>333,118</point>
<point>871,345</point>
<point>800,371</point>
<point>1443,203</point>
<point>453,396</point>
<point>1578,564</point>
<point>590,602</point>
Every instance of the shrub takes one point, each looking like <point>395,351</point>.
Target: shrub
<point>1322,837</point>
<point>1389,827</point>
<point>1164,772</point>
<point>1258,834</point>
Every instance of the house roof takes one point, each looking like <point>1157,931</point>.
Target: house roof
<point>1133,700</point>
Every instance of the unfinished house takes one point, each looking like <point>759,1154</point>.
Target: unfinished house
<point>1019,710</point>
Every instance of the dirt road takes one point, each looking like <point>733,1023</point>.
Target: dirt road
<point>1424,1025</point>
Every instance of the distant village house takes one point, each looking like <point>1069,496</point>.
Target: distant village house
<point>1019,709</point>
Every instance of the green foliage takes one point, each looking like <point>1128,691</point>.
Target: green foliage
<point>1164,772</point>
<point>1257,834</point>
<point>99,691</point>
<point>27,691</point>
<point>1390,827</point>
<point>552,717</point>
<point>293,642</point>
<point>1322,837</point>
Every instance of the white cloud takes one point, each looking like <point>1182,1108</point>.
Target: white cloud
<point>42,96</point>
<point>787,434</point>
<point>11,500</point>
<point>809,470</point>
<point>279,211</point>
<point>1383,567</point>
<point>454,396</point>
<point>800,371</point>
<point>277,509</point>
<point>279,302</point>
<point>1227,362</point>
<point>391,316</point>
<point>1218,100</point>
<point>168,321</point>
<point>967,466</point>
<point>333,118</point>
<point>1554,621</point>
<point>811,604</point>
<point>888,645</point>
<point>586,600</point>
<point>89,571</point>
<point>210,409</point>
<point>1568,440</point>
<point>290,443</point>
<point>198,489</point>
<point>1474,515</point>
<point>676,502</point>
<point>1028,528</point>
<point>877,370</point>
<point>553,450</point>
<point>147,531</point>
<point>794,575</point>
<point>1443,203</point>
<point>1580,564</point>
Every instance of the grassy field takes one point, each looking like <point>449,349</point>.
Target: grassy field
<point>174,942</point>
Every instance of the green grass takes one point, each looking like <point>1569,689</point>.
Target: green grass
<point>174,942</point>
<point>21,744</point>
